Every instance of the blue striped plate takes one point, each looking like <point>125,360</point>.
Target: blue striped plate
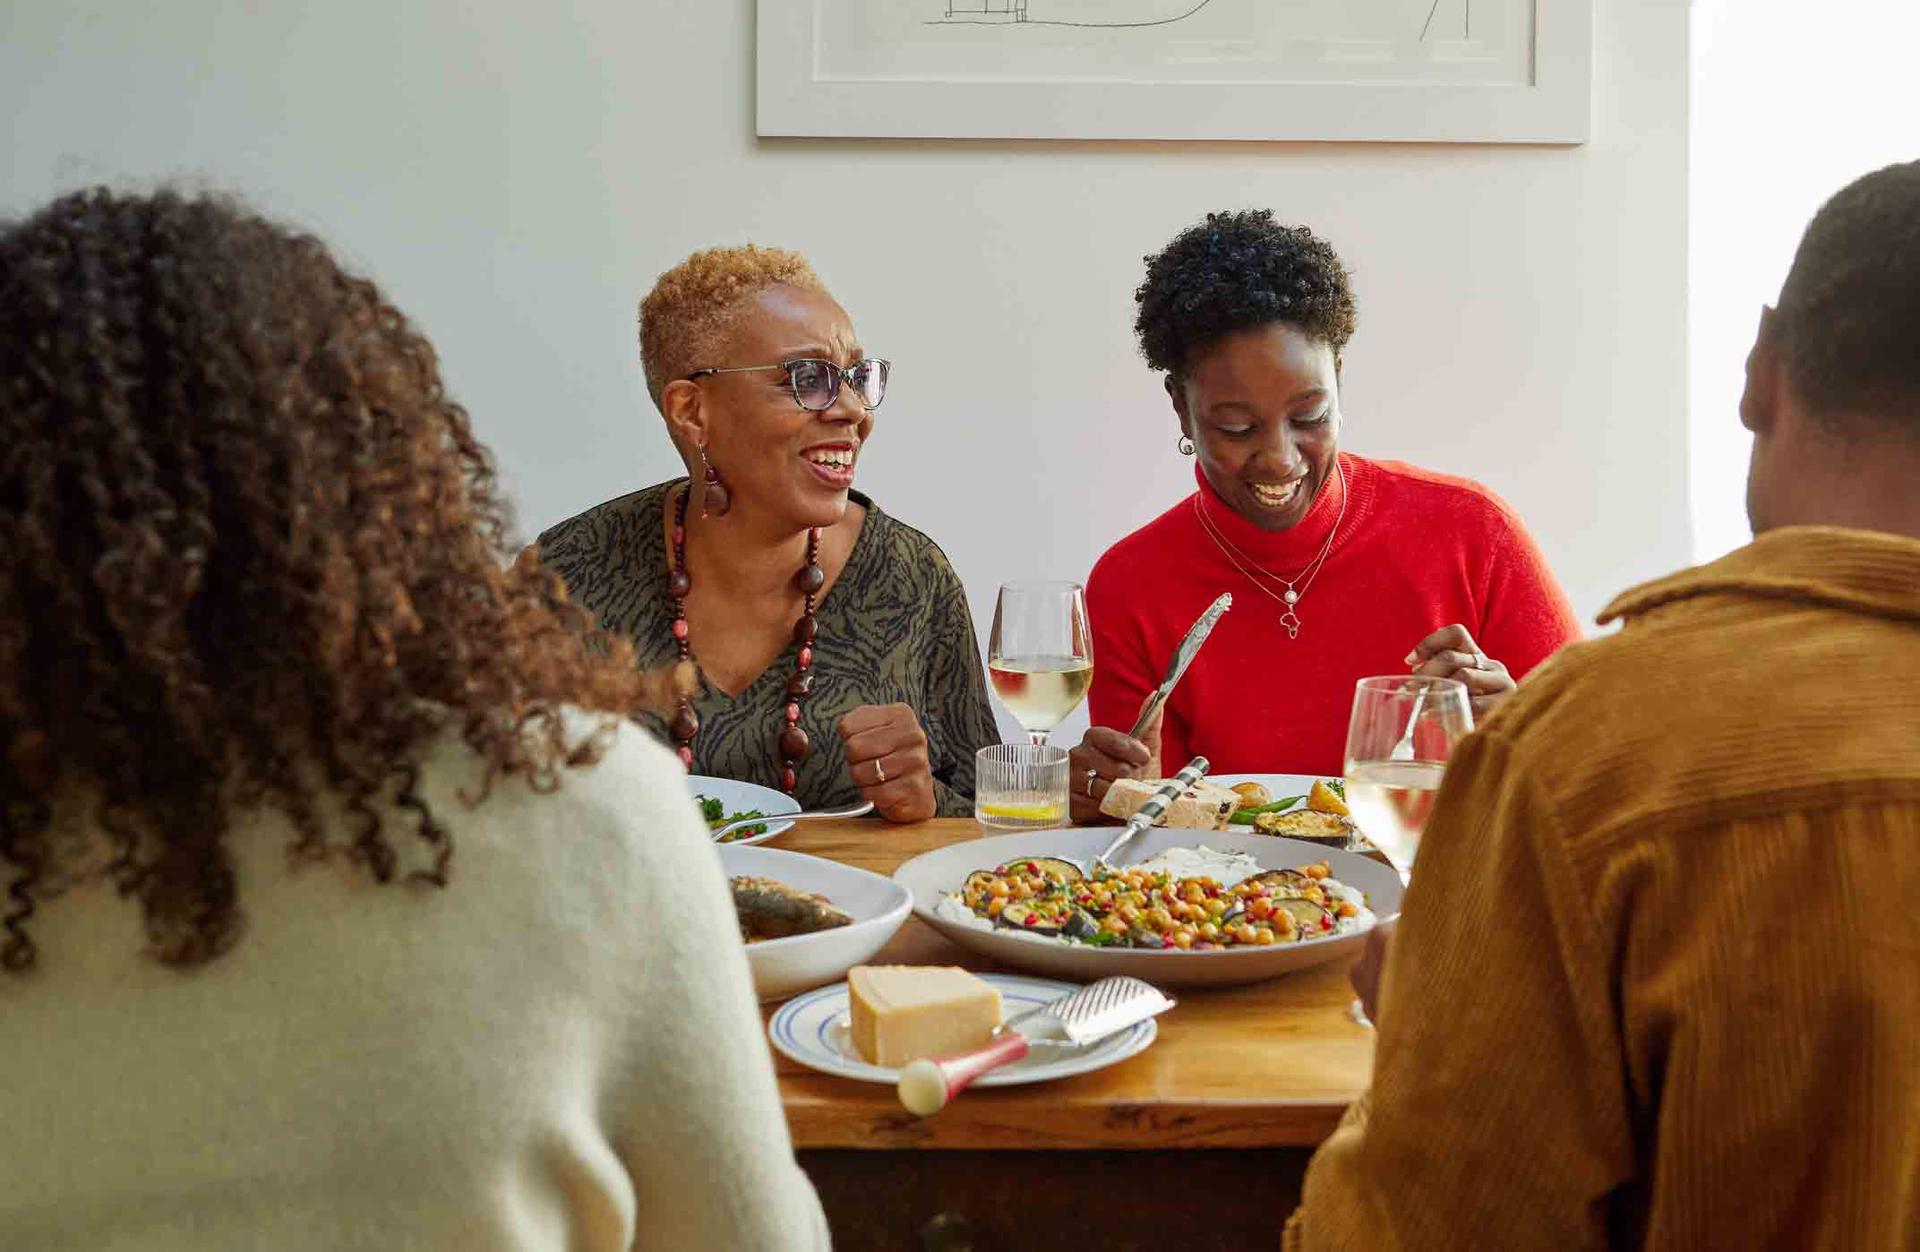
<point>812,1030</point>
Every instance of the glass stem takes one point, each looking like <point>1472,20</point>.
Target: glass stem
<point>1039,737</point>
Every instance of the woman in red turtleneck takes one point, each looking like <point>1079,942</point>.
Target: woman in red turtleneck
<point>1340,567</point>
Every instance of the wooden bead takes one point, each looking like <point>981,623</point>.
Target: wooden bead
<point>806,629</point>
<point>686,723</point>
<point>800,685</point>
<point>793,743</point>
<point>680,628</point>
<point>811,579</point>
<point>678,584</point>
<point>787,780</point>
<point>680,532</point>
<point>686,756</point>
<point>806,658</point>
<point>793,713</point>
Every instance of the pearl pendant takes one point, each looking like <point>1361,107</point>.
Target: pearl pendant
<point>1291,596</point>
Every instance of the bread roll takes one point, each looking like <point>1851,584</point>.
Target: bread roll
<point>1203,806</point>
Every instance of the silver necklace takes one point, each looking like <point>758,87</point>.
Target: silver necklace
<point>1291,596</point>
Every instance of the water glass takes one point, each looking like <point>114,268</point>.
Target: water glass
<point>1020,786</point>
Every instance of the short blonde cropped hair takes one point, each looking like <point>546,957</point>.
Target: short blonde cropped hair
<point>685,318</point>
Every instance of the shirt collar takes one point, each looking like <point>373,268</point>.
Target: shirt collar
<point>1857,571</point>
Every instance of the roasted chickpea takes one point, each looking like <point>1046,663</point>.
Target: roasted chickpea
<point>1318,870</point>
<point>995,905</point>
<point>1263,936</point>
<point>1159,918</point>
<point>1209,931</point>
<point>1215,907</point>
<point>1347,908</point>
<point>1183,938</point>
<point>1243,933</point>
<point>998,888</point>
<point>1114,926</point>
<point>1260,908</point>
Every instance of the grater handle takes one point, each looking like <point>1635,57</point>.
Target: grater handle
<point>926,1085</point>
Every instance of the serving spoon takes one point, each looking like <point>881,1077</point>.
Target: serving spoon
<point>768,819</point>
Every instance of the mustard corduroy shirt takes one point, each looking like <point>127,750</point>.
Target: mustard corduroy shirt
<point>1657,981</point>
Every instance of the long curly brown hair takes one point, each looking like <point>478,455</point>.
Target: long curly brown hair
<point>250,552</point>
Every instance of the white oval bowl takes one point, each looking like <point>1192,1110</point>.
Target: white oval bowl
<point>785,967</point>
<point>935,874</point>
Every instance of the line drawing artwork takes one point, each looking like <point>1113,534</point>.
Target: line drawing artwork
<point>1014,12</point>
<point>1466,30</point>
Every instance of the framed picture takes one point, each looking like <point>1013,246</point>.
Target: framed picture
<point>1458,71</point>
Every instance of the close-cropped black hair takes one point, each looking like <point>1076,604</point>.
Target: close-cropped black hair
<point>1849,315</point>
<point>1233,272</point>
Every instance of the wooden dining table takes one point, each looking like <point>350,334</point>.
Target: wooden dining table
<point>1200,1141</point>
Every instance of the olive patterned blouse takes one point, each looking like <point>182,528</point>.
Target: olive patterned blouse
<point>894,629</point>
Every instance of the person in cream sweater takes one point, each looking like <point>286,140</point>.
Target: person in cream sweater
<point>337,912</point>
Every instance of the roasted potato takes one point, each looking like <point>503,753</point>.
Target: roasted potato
<point>1252,795</point>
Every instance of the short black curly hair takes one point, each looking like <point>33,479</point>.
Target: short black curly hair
<point>1849,314</point>
<point>1233,272</point>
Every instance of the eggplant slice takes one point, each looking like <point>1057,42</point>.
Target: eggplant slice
<point>1051,866</point>
<point>1022,915</point>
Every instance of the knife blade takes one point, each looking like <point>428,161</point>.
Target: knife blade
<point>1182,657</point>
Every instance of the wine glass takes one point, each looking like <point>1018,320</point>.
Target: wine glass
<point>1040,655</point>
<point>1404,730</point>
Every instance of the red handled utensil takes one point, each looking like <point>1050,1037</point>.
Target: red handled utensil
<point>1085,1017</point>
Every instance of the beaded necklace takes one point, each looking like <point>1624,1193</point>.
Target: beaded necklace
<point>793,743</point>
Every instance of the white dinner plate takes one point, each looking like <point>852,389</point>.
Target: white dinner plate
<point>742,797</point>
<point>782,967</point>
<point>1280,785</point>
<point>933,875</point>
<point>814,1030</point>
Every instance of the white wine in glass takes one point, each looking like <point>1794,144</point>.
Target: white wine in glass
<point>1404,730</point>
<point>1390,801</point>
<point>1040,654</point>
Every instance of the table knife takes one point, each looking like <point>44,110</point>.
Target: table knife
<point>1182,657</point>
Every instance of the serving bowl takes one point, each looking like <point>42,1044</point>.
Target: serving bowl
<point>785,967</point>
<point>936,874</point>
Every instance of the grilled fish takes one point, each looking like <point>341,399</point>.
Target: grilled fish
<point>769,909</point>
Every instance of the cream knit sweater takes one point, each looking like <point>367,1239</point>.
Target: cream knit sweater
<point>558,1051</point>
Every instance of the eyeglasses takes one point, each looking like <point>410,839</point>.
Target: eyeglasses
<point>816,383</point>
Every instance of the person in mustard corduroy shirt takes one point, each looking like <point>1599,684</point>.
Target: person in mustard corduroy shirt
<point>1657,981</point>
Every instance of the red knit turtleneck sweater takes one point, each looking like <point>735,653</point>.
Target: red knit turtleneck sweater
<point>1416,551</point>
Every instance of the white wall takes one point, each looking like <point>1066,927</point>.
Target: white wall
<point>1780,122</point>
<point>517,180</point>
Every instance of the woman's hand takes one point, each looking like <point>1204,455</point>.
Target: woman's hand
<point>1450,652</point>
<point>1105,754</point>
<point>887,756</point>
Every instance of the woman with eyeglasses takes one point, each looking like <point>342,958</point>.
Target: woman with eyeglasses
<point>828,648</point>
<point>1340,566</point>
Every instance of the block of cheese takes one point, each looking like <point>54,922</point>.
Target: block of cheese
<point>1203,806</point>
<point>904,1012</point>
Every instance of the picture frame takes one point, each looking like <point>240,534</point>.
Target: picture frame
<point>1277,70</point>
